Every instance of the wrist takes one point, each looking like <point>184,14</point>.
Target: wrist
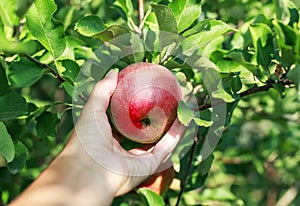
<point>87,181</point>
<point>71,179</point>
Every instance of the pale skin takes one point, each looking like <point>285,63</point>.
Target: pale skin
<point>75,176</point>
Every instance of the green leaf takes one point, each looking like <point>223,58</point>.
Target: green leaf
<point>202,123</point>
<point>230,108</point>
<point>22,6</point>
<point>264,54</point>
<point>202,26</point>
<point>112,32</point>
<point>11,46</point>
<point>165,18</point>
<point>239,56</point>
<point>25,73</point>
<point>262,40</point>
<point>93,26</point>
<point>167,25</point>
<point>222,94</point>
<point>89,25</point>
<point>285,34</point>
<point>8,16</point>
<point>69,70</point>
<point>280,89</point>
<point>294,76</point>
<point>260,31</point>
<point>224,64</point>
<point>151,197</point>
<point>7,149</point>
<point>12,105</point>
<point>184,113</point>
<point>297,3</point>
<point>204,119</point>
<point>203,37</point>
<point>126,6</point>
<point>48,31</point>
<point>282,10</point>
<point>3,78</point>
<point>46,124</point>
<point>236,84</point>
<point>20,158</point>
<point>185,12</point>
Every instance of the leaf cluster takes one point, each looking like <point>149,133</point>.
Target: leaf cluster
<point>237,62</point>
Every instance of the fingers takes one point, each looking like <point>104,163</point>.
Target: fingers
<point>103,90</point>
<point>92,127</point>
<point>169,141</point>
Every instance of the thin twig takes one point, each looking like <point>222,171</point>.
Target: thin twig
<point>141,10</point>
<point>82,97</point>
<point>45,66</point>
<point>188,170</point>
<point>141,17</point>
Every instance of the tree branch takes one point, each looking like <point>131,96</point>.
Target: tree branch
<point>45,66</point>
<point>248,92</point>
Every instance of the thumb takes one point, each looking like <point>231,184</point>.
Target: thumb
<point>103,90</point>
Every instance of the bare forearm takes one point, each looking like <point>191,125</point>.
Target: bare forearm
<point>69,180</point>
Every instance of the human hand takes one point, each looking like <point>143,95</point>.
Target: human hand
<point>93,168</point>
<point>125,169</point>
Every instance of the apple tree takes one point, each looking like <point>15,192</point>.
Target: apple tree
<point>238,63</point>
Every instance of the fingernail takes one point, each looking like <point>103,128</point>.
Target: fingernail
<point>111,73</point>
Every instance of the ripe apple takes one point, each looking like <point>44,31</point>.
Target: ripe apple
<point>159,182</point>
<point>144,104</point>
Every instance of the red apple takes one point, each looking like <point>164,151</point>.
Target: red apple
<point>144,104</point>
<point>159,182</point>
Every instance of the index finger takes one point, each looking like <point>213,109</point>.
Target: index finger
<point>168,142</point>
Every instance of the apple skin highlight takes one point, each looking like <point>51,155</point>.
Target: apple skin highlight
<point>144,104</point>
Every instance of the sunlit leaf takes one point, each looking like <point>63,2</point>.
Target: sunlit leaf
<point>282,10</point>
<point>165,18</point>
<point>185,114</point>
<point>48,31</point>
<point>69,70</point>
<point>167,24</point>
<point>151,197</point>
<point>90,25</point>
<point>8,16</point>
<point>111,32</point>
<point>185,12</point>
<point>207,32</point>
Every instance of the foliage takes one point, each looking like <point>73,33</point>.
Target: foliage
<point>240,56</point>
